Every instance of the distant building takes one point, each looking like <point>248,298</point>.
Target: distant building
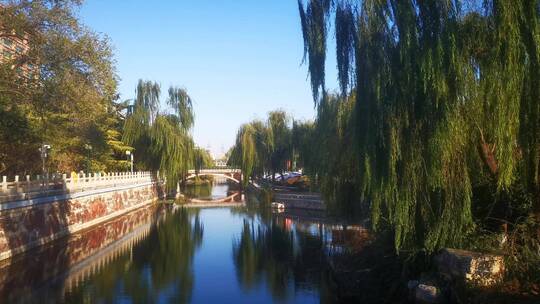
<point>13,47</point>
<point>220,160</point>
<point>220,163</point>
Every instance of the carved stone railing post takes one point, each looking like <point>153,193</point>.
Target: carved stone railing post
<point>64,181</point>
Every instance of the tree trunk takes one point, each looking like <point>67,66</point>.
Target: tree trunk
<point>488,157</point>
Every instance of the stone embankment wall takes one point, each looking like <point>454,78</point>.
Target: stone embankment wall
<point>79,257</point>
<point>85,202</point>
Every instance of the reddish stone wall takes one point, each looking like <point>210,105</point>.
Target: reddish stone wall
<point>27,227</point>
<point>35,267</point>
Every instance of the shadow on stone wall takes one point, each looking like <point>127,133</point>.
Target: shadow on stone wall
<point>54,270</point>
<point>29,225</point>
<point>36,224</point>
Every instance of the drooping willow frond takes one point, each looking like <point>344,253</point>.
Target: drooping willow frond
<point>314,20</point>
<point>447,97</point>
<point>181,103</point>
<point>162,142</point>
<point>346,35</point>
<point>253,149</point>
<point>147,99</point>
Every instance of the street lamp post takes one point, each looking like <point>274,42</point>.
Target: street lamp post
<point>129,155</point>
<point>44,150</point>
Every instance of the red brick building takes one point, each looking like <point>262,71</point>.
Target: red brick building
<point>13,48</point>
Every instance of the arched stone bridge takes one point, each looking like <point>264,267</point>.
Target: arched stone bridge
<point>231,174</point>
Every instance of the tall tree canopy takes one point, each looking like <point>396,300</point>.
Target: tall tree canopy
<point>279,124</point>
<point>58,89</point>
<point>202,159</point>
<point>253,149</point>
<point>446,106</point>
<point>162,141</point>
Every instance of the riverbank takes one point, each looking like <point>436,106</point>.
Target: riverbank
<point>446,276</point>
<point>60,266</point>
<point>297,255</point>
<point>84,202</point>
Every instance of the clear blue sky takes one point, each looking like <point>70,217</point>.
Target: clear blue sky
<point>238,59</point>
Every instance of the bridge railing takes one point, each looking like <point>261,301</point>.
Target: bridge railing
<point>220,167</point>
<point>217,170</point>
<point>15,188</point>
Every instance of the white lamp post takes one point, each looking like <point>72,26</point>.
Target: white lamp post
<point>44,152</point>
<point>130,157</point>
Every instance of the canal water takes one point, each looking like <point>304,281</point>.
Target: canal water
<point>237,253</point>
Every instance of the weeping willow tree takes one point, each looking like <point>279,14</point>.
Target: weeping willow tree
<point>202,159</point>
<point>302,143</point>
<point>446,106</point>
<point>264,147</point>
<point>279,123</point>
<point>252,149</point>
<point>333,164</point>
<point>162,141</point>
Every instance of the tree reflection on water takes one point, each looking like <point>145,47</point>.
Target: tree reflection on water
<point>159,268</point>
<point>199,191</point>
<point>283,259</point>
<point>275,257</point>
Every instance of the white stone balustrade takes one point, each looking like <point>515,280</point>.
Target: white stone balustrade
<point>15,189</point>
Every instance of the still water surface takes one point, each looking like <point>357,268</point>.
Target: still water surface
<point>172,254</point>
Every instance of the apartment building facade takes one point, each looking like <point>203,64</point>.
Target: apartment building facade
<point>13,48</point>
